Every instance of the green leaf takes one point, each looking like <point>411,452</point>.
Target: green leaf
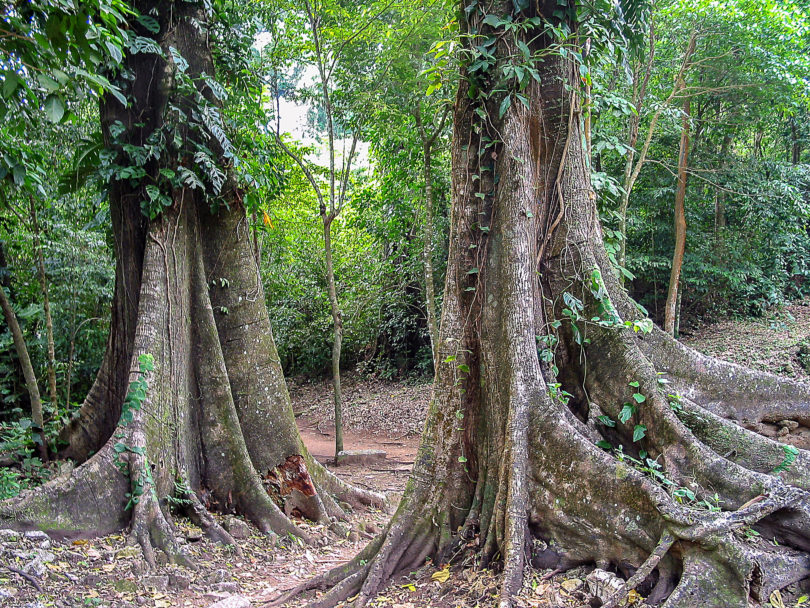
<point>627,412</point>
<point>504,106</point>
<point>18,173</point>
<point>54,108</point>
<point>523,100</point>
<point>634,384</point>
<point>493,21</point>
<point>47,83</point>
<point>524,49</point>
<point>462,459</point>
<point>639,397</point>
<point>464,368</point>
<point>603,444</point>
<point>606,420</point>
<point>150,23</point>
<point>115,52</point>
<point>790,456</point>
<point>639,432</point>
<point>10,83</point>
<point>179,60</point>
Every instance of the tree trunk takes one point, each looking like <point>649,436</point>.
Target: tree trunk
<point>427,253</point>
<point>720,195</point>
<point>680,222</point>
<point>38,424</point>
<point>46,302</point>
<point>428,140</point>
<point>190,393</point>
<point>547,370</point>
<point>795,145</point>
<point>337,332</point>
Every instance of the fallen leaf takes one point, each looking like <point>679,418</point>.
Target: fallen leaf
<point>776,600</point>
<point>442,575</point>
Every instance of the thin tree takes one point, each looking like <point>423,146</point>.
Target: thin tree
<point>37,420</point>
<point>673,293</point>
<point>548,417</point>
<point>428,133</point>
<point>46,299</point>
<point>633,163</point>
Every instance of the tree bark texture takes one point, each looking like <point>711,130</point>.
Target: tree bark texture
<point>547,402</point>
<point>191,393</point>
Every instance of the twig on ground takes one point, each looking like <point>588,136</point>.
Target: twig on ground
<point>26,576</point>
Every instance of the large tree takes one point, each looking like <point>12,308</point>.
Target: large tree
<point>190,398</point>
<point>550,419</point>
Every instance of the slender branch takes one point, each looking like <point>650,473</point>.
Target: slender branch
<point>339,51</point>
<point>307,172</point>
<point>345,178</point>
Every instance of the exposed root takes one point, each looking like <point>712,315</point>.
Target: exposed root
<point>728,389</point>
<point>90,499</point>
<point>710,581</point>
<point>332,577</point>
<point>516,511</point>
<point>202,518</point>
<point>150,527</point>
<point>746,448</point>
<point>667,540</point>
<point>330,483</point>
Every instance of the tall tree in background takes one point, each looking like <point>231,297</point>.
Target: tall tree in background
<point>671,309</point>
<point>190,360</point>
<point>549,418</point>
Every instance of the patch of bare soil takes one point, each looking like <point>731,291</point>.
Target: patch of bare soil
<point>374,406</point>
<point>770,344</point>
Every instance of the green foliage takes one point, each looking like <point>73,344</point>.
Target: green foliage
<point>746,204</point>
<point>30,473</point>
<point>136,394</point>
<point>790,457</point>
<point>52,54</point>
<point>10,483</point>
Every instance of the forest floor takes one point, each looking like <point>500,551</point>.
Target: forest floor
<point>379,415</point>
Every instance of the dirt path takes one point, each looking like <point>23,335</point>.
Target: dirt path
<point>387,476</point>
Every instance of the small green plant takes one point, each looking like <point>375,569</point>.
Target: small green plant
<point>180,498</point>
<point>654,470</point>
<point>804,355</point>
<point>790,456</point>
<point>10,483</point>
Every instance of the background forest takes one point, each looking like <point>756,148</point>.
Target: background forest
<point>340,127</point>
